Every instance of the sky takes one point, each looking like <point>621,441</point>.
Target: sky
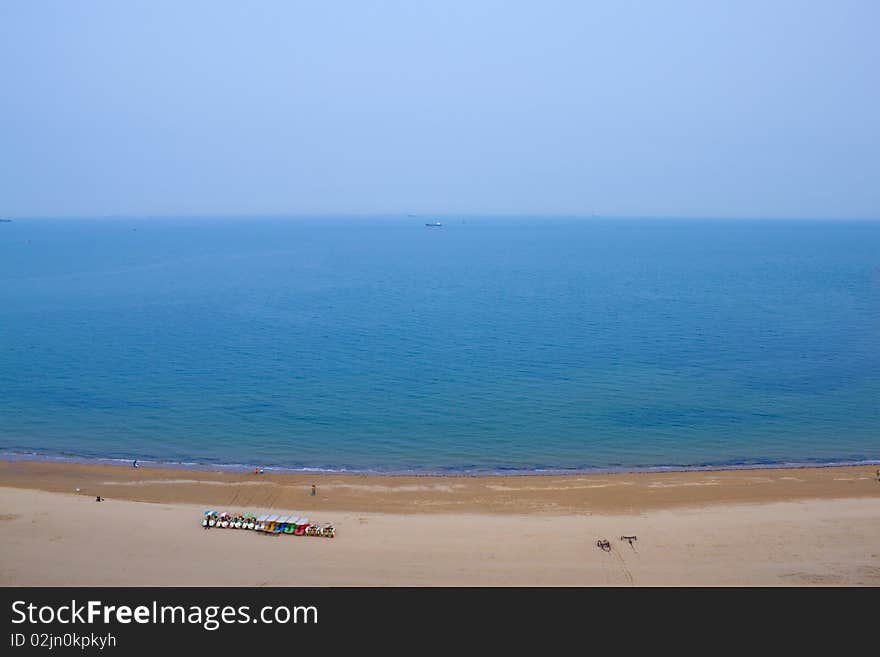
<point>767,108</point>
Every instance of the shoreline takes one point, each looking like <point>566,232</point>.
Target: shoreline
<point>551,493</point>
<point>544,471</point>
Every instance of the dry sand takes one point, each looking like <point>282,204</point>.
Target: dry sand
<point>817,526</point>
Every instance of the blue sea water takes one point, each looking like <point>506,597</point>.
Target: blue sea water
<point>490,344</point>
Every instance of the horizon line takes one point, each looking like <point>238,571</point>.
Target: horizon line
<point>422,215</point>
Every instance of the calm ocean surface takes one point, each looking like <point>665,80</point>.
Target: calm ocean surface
<point>484,345</point>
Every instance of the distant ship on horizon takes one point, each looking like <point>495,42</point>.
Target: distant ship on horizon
<point>435,224</point>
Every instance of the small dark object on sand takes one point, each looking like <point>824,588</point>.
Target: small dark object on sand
<point>629,539</point>
<point>604,544</point>
<point>314,490</point>
<point>99,499</point>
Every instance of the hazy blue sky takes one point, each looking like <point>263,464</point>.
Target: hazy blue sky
<point>741,108</point>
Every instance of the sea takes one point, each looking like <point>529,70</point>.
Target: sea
<point>485,345</point>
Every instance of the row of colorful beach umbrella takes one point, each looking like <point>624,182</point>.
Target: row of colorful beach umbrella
<point>267,523</point>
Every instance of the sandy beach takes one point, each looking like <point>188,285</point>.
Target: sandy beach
<point>809,526</point>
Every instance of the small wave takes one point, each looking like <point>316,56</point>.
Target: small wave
<point>472,471</point>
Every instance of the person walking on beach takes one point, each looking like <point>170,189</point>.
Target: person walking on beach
<point>134,464</point>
